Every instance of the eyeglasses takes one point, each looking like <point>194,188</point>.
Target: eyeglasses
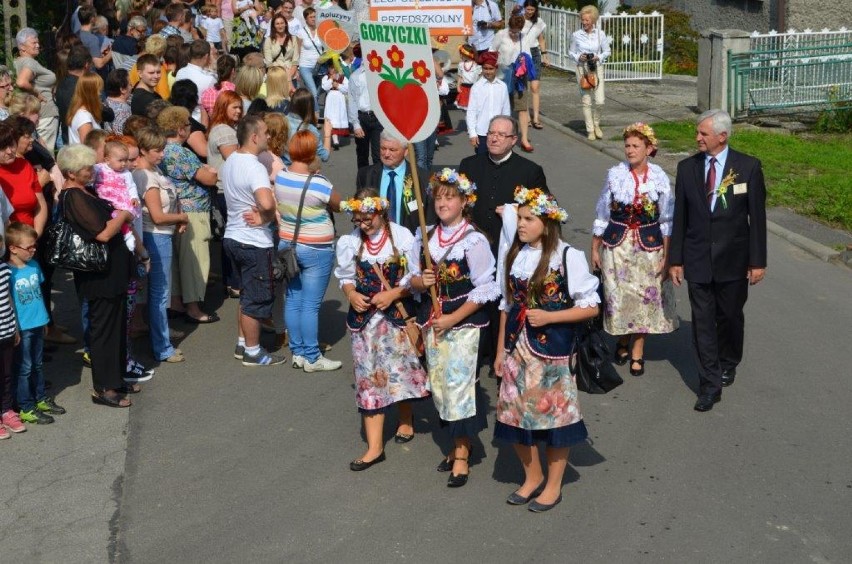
<point>6,86</point>
<point>30,249</point>
<point>363,220</point>
<point>500,135</point>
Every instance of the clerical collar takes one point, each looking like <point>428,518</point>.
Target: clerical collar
<point>503,160</point>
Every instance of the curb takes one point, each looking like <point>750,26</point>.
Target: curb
<point>825,254</point>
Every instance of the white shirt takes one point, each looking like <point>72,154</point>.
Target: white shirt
<point>620,186</point>
<point>202,79</point>
<point>347,253</point>
<point>468,72</point>
<point>595,42</point>
<point>507,48</point>
<point>213,27</point>
<point>487,99</point>
<point>81,118</point>
<point>311,48</point>
<point>721,160</point>
<point>488,11</point>
<point>242,175</point>
<point>6,211</point>
<point>359,97</point>
<point>531,33</point>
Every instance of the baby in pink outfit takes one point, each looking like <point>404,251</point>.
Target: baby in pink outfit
<point>111,185</point>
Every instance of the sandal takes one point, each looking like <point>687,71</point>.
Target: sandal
<point>111,398</point>
<point>527,148</point>
<point>621,354</point>
<point>208,318</point>
<point>130,389</point>
<point>537,125</point>
<point>641,363</point>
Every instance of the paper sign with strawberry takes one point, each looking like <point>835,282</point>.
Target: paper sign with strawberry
<point>401,78</point>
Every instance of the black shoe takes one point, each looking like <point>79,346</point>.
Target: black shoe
<point>401,438</point>
<point>537,507</point>
<point>457,480</point>
<point>622,355</point>
<point>516,499</point>
<point>358,465</point>
<point>728,377</point>
<point>705,401</point>
<point>640,370</point>
<point>445,466</point>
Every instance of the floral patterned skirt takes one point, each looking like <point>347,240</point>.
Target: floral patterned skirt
<point>636,301</point>
<point>538,394</point>
<point>386,367</point>
<point>452,372</point>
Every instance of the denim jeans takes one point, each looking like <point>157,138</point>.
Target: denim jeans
<point>306,77</point>
<point>304,298</point>
<point>159,248</point>
<point>424,152</point>
<point>28,368</point>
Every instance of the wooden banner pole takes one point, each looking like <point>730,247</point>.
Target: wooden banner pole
<point>421,214</point>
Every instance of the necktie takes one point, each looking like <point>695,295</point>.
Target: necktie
<point>710,185</point>
<point>391,196</point>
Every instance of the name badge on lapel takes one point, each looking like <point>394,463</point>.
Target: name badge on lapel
<point>741,188</point>
<point>412,206</point>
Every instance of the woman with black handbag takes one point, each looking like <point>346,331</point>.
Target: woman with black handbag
<point>374,268</point>
<point>96,221</point>
<point>547,292</point>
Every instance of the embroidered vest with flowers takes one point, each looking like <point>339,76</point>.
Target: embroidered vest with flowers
<point>367,283</point>
<point>640,217</point>
<point>453,286</point>
<point>554,341</point>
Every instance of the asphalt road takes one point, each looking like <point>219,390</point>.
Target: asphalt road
<point>216,462</point>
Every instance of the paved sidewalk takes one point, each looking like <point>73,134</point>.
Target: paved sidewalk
<point>674,98</point>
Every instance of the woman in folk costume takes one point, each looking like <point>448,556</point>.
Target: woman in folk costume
<point>373,267</point>
<point>547,291</point>
<point>463,276</point>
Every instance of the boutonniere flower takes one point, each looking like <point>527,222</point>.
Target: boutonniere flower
<point>407,185</point>
<point>403,262</point>
<point>726,183</point>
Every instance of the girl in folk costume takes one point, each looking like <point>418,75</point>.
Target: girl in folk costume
<point>373,266</point>
<point>468,73</point>
<point>463,276</point>
<point>547,291</point>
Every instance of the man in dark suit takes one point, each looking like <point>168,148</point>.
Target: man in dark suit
<point>496,175</point>
<point>718,245</point>
<point>394,181</point>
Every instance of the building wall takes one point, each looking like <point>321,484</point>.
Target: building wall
<point>819,14</point>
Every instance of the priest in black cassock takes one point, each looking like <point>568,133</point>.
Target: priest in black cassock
<point>496,175</point>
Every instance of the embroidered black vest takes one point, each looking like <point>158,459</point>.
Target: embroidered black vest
<point>367,283</point>
<point>551,341</point>
<point>453,285</point>
<point>640,217</point>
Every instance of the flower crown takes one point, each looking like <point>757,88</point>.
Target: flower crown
<point>372,204</point>
<point>642,129</point>
<point>540,203</point>
<point>452,177</point>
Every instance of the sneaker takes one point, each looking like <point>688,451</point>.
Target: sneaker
<point>239,352</point>
<point>176,357</point>
<point>322,364</point>
<point>298,361</point>
<point>136,372</point>
<point>87,359</point>
<point>4,434</point>
<point>47,405</point>
<point>12,422</point>
<point>262,358</point>
<point>36,416</point>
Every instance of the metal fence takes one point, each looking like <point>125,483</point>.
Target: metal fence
<point>636,42</point>
<point>791,70</point>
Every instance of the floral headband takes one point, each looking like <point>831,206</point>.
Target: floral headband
<point>454,178</point>
<point>364,205</point>
<point>642,129</point>
<point>540,203</point>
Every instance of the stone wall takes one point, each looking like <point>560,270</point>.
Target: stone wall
<point>818,14</point>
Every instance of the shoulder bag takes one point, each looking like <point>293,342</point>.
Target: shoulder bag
<point>66,249</point>
<point>287,263</point>
<point>590,362</point>
<point>411,329</point>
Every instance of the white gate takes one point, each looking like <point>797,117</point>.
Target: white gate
<point>636,41</point>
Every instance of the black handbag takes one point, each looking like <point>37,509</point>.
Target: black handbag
<point>287,264</point>
<point>590,364</point>
<point>66,249</point>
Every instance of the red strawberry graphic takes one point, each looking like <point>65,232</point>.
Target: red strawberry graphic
<point>406,107</point>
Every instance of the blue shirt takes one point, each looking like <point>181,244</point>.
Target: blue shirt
<point>26,290</point>
<point>383,188</point>
<point>721,159</point>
